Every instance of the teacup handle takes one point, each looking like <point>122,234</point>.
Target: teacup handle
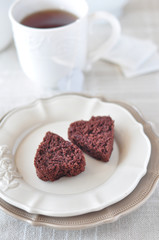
<point>113,38</point>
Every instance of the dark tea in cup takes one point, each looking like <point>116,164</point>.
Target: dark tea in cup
<point>49,19</point>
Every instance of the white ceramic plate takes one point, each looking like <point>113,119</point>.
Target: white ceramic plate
<point>101,185</point>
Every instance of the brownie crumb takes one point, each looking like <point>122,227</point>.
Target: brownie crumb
<point>56,158</point>
<point>94,137</point>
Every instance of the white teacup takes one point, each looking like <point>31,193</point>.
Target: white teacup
<point>48,55</point>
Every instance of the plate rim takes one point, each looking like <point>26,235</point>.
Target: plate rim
<point>36,220</point>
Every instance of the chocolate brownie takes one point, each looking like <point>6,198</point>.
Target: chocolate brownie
<point>95,137</point>
<point>56,158</point>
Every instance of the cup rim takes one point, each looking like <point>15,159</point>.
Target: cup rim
<point>13,20</point>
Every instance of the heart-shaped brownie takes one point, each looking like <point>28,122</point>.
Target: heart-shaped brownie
<point>95,137</point>
<point>56,158</point>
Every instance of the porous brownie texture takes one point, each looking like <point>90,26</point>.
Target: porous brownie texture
<point>95,137</point>
<point>56,158</point>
